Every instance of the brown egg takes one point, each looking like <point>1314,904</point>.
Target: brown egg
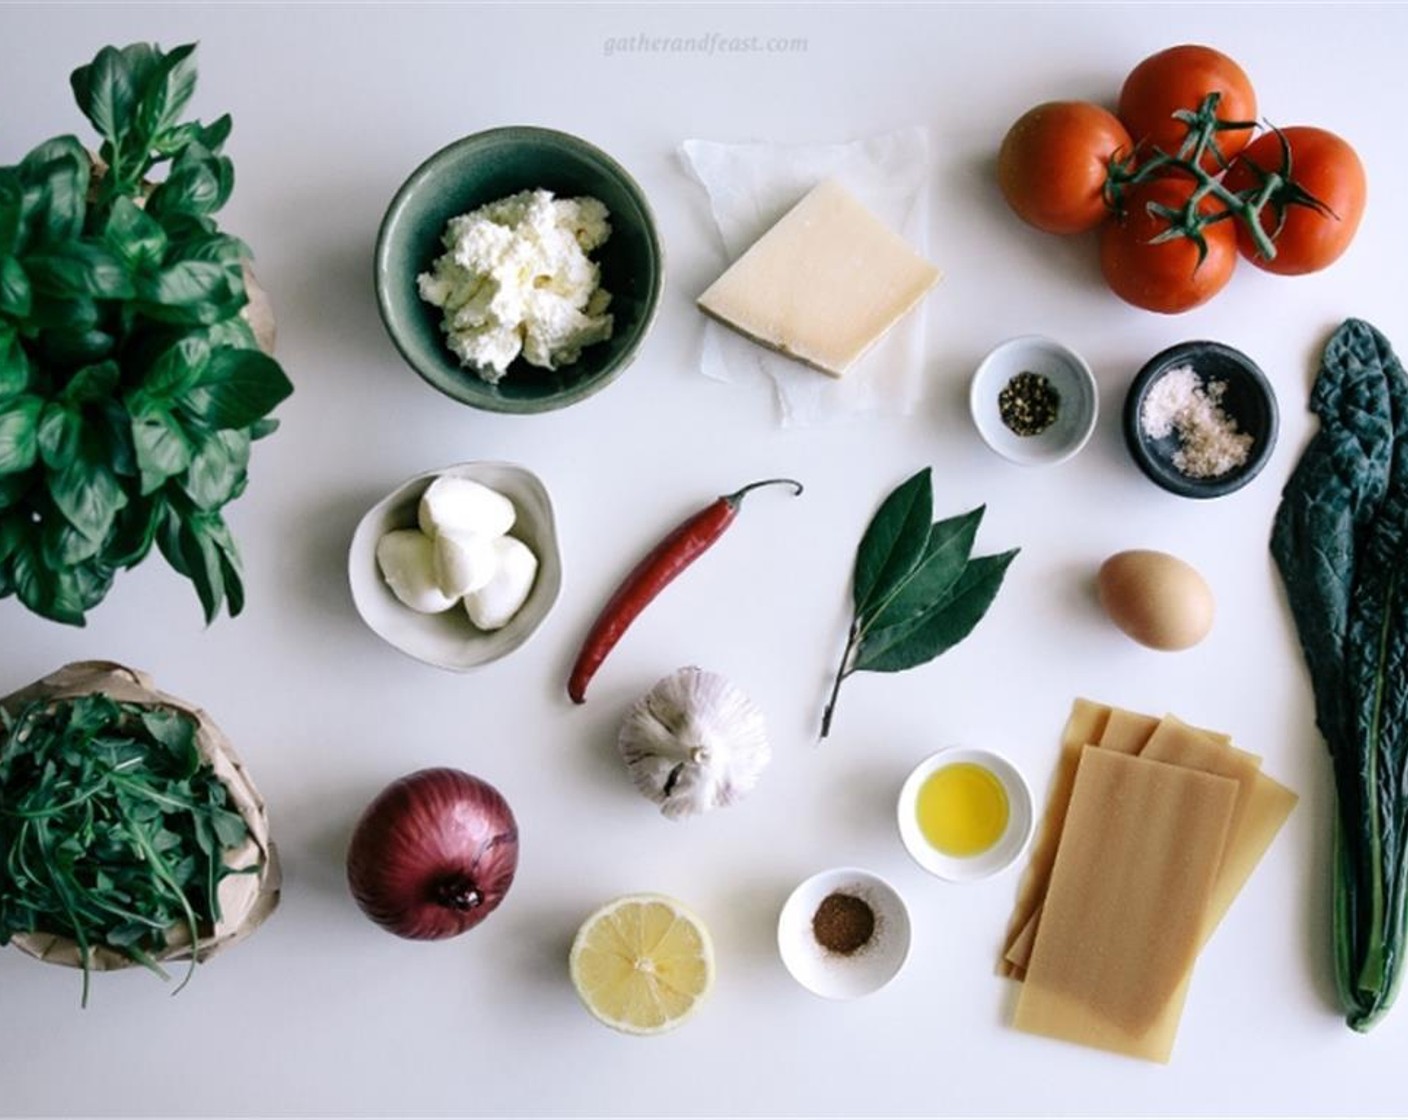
<point>1157,599</point>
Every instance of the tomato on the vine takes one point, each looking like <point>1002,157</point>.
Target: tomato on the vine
<point>1179,78</point>
<point>1322,166</point>
<point>1054,161</point>
<point>1165,276</point>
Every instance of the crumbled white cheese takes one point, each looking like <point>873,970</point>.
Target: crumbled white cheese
<point>516,279</point>
<point>1209,442</point>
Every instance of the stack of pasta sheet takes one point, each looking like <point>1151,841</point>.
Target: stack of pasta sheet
<point>1151,830</point>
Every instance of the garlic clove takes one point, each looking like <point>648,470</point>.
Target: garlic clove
<point>406,558</point>
<point>463,563</point>
<point>493,606</point>
<point>463,507</point>
<point>694,742</point>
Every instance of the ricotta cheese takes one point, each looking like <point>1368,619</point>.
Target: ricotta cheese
<point>515,279</point>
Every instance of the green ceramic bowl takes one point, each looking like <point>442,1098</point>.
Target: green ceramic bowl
<point>480,169</point>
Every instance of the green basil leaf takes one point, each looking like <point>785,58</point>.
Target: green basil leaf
<point>14,289</point>
<point>13,487</point>
<point>198,183</point>
<point>191,293</point>
<point>163,449</point>
<point>11,210</point>
<point>19,433</point>
<point>207,573</point>
<point>945,556</point>
<point>134,533</point>
<point>80,269</point>
<point>261,428</point>
<point>940,628</point>
<point>230,569</point>
<point>61,315</point>
<point>134,235</point>
<point>237,388</point>
<point>79,346</point>
<point>14,363</point>
<point>56,176</point>
<point>217,472</point>
<point>893,543</point>
<point>106,92</point>
<point>92,383</point>
<point>211,136</point>
<point>63,546</point>
<point>218,247</point>
<point>61,595</point>
<point>86,491</point>
<point>167,90</point>
<point>59,430</point>
<point>175,370</point>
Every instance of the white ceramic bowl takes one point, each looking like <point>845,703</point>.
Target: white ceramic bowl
<point>1071,378</point>
<point>963,869</point>
<point>834,975</point>
<point>449,640</point>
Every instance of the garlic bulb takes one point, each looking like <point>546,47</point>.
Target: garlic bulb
<point>694,742</point>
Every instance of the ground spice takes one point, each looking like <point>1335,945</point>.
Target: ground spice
<point>843,923</point>
<point>1181,404</point>
<point>1028,404</point>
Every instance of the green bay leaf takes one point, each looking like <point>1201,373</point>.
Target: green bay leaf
<point>945,555</point>
<point>940,628</point>
<point>894,541</point>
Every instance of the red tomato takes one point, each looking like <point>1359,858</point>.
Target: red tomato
<point>1179,78</point>
<point>1166,276</point>
<point>1053,163</point>
<point>1322,165</point>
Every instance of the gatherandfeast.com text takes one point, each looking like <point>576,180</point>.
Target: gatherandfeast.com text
<point>708,45</point>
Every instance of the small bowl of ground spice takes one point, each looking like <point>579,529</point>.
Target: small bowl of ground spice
<point>1034,401</point>
<point>844,933</point>
<point>1200,419</point>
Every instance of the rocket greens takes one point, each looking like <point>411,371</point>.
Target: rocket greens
<point>130,385</point>
<point>113,829</point>
<point>1340,538</point>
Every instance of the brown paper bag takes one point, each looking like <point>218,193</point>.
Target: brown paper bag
<point>245,900</point>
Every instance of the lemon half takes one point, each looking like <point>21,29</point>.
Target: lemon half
<point>642,963</point>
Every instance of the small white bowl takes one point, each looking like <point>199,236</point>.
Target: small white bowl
<point>836,975</point>
<point>964,869</point>
<point>449,640</point>
<point>1071,378</point>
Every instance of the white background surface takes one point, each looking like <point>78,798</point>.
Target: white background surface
<point>321,1012</point>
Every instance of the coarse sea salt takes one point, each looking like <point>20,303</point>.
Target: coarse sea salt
<point>1182,405</point>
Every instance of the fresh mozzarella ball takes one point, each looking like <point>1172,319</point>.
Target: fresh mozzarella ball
<point>463,507</point>
<point>494,604</point>
<point>463,563</point>
<point>406,558</point>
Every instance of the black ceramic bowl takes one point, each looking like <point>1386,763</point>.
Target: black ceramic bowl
<point>1248,400</point>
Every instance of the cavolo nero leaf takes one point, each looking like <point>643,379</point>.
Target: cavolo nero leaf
<point>1339,540</point>
<point>917,590</point>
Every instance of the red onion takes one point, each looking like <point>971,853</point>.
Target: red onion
<point>433,855</point>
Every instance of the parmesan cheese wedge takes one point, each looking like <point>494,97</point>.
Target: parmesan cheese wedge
<point>824,284</point>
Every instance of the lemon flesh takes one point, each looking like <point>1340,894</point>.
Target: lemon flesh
<point>642,963</point>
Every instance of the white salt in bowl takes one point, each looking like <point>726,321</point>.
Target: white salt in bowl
<point>1248,401</point>
<point>834,975</point>
<point>1068,375</point>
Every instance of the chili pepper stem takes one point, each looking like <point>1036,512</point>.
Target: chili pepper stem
<point>738,495</point>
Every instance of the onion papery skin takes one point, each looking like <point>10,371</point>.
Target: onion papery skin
<point>433,855</point>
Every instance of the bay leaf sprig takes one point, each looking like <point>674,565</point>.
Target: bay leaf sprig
<point>917,589</point>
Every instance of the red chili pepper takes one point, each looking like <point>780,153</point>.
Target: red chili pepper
<point>667,560</point>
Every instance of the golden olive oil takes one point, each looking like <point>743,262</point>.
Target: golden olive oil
<point>962,809</point>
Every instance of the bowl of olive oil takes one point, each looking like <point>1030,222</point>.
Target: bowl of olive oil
<point>965,814</point>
